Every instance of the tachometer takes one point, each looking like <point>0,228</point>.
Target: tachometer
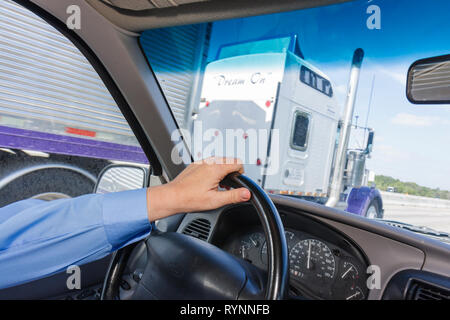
<point>312,259</point>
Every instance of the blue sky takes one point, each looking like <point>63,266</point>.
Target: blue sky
<point>412,141</point>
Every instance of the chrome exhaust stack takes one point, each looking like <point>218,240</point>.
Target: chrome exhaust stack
<point>341,153</point>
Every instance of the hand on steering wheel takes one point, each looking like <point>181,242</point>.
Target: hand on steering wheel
<point>179,266</point>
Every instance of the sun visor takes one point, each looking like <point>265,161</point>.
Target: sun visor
<point>140,5</point>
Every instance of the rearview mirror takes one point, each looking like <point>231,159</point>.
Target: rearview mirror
<point>370,142</point>
<point>429,81</point>
<point>115,178</point>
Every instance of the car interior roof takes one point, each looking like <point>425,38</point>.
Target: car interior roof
<point>140,15</point>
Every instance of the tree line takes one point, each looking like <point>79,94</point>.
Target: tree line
<point>411,188</point>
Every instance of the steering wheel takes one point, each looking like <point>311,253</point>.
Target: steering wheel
<point>183,267</point>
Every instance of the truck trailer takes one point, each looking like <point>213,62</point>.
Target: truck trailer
<point>59,125</point>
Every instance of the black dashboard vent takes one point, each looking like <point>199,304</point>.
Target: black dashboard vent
<point>423,291</point>
<point>198,228</point>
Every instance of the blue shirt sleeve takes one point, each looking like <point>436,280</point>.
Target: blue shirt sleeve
<point>40,238</point>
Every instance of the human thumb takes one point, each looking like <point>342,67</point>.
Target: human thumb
<point>234,196</point>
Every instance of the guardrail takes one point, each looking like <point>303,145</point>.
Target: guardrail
<point>398,199</point>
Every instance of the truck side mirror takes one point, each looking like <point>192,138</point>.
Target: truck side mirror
<point>429,81</point>
<point>369,142</point>
<point>115,178</point>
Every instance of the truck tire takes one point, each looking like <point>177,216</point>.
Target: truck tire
<point>374,211</point>
<point>57,176</point>
<point>46,184</point>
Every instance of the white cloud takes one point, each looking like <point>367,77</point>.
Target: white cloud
<point>411,120</point>
<point>397,75</point>
<point>394,71</point>
<point>391,154</point>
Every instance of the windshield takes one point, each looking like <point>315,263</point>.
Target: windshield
<point>254,47</point>
<point>314,102</point>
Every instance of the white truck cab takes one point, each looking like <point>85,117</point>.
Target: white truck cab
<point>282,95</point>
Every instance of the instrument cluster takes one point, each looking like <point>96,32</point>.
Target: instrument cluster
<point>318,269</point>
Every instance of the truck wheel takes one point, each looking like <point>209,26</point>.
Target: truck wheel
<point>373,211</point>
<point>47,184</point>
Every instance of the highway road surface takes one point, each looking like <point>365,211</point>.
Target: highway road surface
<point>435,218</point>
<point>418,211</point>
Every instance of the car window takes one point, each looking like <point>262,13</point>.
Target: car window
<point>300,131</point>
<point>59,125</point>
<point>315,81</point>
<point>315,103</point>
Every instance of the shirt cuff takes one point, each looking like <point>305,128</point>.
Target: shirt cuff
<point>125,217</point>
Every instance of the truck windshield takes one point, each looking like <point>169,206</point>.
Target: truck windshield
<point>330,124</point>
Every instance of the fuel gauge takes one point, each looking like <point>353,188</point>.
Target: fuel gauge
<point>355,293</point>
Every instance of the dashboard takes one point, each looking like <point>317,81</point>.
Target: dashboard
<point>318,269</point>
<point>324,263</point>
<point>410,266</point>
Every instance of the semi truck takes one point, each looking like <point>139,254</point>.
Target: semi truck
<point>267,86</point>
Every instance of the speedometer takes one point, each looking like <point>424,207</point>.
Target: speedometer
<point>311,259</point>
